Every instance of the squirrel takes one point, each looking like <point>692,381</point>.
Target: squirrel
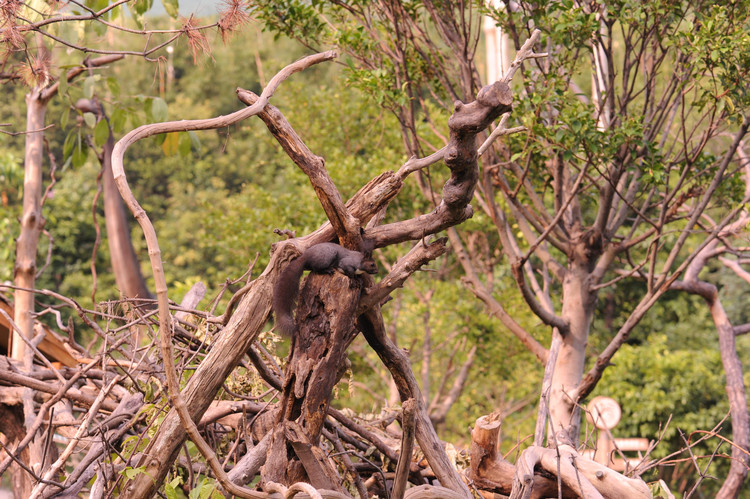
<point>321,258</point>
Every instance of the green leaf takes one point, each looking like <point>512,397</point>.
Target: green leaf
<point>101,132</point>
<point>63,82</point>
<point>131,473</point>
<point>97,4</point>
<point>88,87</point>
<point>64,118</point>
<point>114,86</point>
<point>90,119</point>
<point>138,21</point>
<point>119,117</point>
<point>729,104</point>
<point>141,6</point>
<point>80,153</point>
<point>172,7</point>
<point>70,141</point>
<point>196,142</point>
<point>159,110</point>
<point>171,489</point>
<point>184,144</point>
<point>207,489</point>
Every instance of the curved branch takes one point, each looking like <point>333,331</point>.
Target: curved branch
<point>50,91</point>
<point>540,311</point>
<point>345,225</point>
<point>397,362</point>
<point>460,156</point>
<point>419,255</point>
<point>155,253</point>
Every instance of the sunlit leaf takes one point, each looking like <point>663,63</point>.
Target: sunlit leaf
<point>90,119</point>
<point>172,7</point>
<point>171,144</point>
<point>88,87</point>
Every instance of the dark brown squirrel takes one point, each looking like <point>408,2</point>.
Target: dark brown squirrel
<point>322,258</point>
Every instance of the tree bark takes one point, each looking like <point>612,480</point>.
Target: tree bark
<point>577,310</point>
<point>14,431</point>
<point>32,223</point>
<point>736,394</point>
<point>24,271</point>
<point>125,263</point>
<point>491,472</point>
<point>325,318</point>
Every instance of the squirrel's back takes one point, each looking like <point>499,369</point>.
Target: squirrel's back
<point>322,258</point>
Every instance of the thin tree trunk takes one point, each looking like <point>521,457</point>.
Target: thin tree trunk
<point>577,309</point>
<point>733,372</point>
<point>31,224</point>
<point>24,271</point>
<point>125,264</point>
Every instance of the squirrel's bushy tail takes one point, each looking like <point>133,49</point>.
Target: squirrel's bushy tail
<point>285,296</point>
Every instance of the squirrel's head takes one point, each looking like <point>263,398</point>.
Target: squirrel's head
<point>369,266</point>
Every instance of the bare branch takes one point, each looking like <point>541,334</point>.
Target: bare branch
<point>145,487</point>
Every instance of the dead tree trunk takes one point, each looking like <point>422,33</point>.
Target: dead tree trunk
<point>14,431</point>
<point>325,316</point>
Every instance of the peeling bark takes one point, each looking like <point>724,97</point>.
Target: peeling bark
<point>325,320</point>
